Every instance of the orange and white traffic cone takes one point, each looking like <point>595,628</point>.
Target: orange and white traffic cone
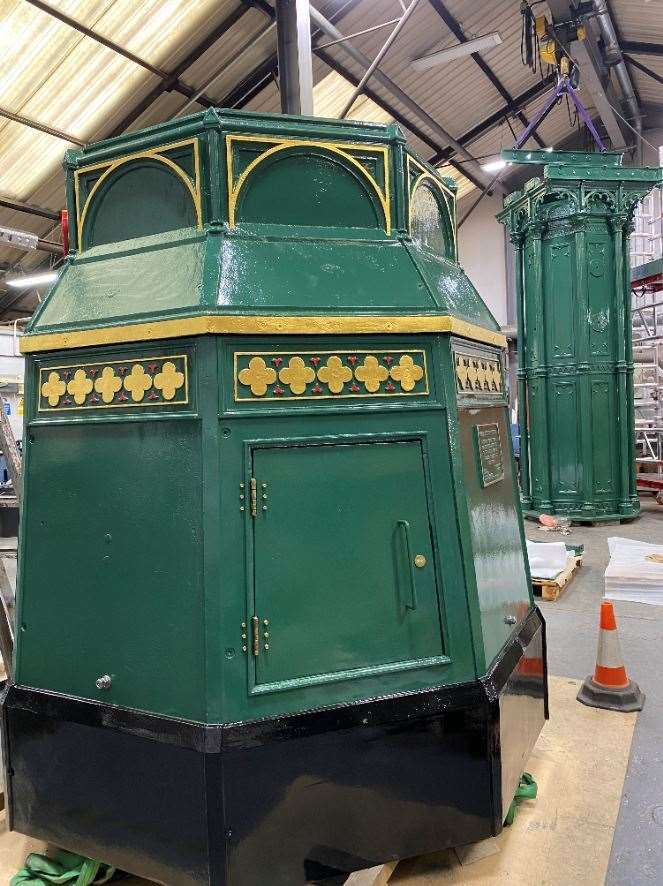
<point>610,686</point>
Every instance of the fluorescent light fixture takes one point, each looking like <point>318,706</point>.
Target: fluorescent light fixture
<point>32,281</point>
<point>442,56</point>
<point>494,165</point>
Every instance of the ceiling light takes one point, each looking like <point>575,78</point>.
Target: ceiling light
<point>32,281</point>
<point>458,51</point>
<point>494,165</point>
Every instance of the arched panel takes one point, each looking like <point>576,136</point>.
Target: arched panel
<point>139,198</point>
<point>430,226</point>
<point>309,187</point>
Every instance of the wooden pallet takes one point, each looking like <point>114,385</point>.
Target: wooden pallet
<point>377,876</point>
<point>550,588</point>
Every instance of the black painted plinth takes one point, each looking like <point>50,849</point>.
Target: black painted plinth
<point>276,801</point>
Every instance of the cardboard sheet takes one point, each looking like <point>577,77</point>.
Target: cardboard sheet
<point>635,571</point>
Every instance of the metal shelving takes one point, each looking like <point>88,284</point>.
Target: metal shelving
<point>647,320</point>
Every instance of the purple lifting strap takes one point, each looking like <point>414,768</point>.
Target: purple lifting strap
<point>563,88</point>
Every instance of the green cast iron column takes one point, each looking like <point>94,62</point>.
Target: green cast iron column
<point>584,366</point>
<point>630,392</point>
<point>518,239</point>
<point>618,228</point>
<point>536,381</point>
<point>574,332</point>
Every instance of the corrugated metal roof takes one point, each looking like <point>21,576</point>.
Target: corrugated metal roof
<point>59,77</point>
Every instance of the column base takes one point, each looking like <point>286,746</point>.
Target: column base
<point>616,513</point>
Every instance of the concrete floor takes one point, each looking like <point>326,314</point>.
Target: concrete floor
<point>637,850</point>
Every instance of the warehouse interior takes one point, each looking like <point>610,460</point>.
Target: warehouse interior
<point>509,320</point>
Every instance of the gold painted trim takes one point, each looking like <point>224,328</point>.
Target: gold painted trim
<point>342,396</point>
<point>282,144</point>
<point>233,324</point>
<point>413,161</point>
<point>447,194</point>
<point>194,187</point>
<point>135,404</point>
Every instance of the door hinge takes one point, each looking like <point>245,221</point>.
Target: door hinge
<point>255,635</point>
<point>254,497</point>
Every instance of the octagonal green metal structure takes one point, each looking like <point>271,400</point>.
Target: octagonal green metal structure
<point>272,570</point>
<point>570,230</point>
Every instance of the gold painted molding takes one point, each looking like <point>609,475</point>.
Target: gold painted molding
<point>255,324</point>
<point>282,144</point>
<point>110,166</point>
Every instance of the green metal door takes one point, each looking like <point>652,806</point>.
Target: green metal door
<point>344,577</point>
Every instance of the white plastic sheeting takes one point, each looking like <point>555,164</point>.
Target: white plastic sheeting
<point>546,559</point>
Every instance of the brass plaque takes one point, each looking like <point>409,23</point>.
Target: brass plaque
<point>489,450</point>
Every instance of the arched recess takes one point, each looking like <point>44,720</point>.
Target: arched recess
<point>431,225</point>
<point>309,184</point>
<point>137,197</point>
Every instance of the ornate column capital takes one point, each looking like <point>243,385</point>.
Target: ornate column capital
<point>517,237</point>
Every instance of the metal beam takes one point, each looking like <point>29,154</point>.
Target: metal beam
<point>293,38</point>
<point>174,83</point>
<point>456,29</point>
<point>396,92</point>
<point>496,118</point>
<point>99,38</point>
<point>260,76</point>
<point>643,68</point>
<point>593,73</point>
<point>393,112</point>
<point>612,52</point>
<point>372,68</point>
<point>18,206</point>
<point>13,303</point>
<point>251,86</point>
<point>167,85</point>
<point>40,127</point>
<point>641,48</point>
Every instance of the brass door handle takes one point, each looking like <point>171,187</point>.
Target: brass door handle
<point>412,605</point>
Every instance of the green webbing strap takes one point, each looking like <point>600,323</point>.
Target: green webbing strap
<point>63,867</point>
<point>526,790</point>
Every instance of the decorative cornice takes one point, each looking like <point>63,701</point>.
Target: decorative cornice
<point>256,324</point>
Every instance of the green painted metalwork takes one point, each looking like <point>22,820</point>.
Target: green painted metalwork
<point>250,469</point>
<point>544,157</point>
<point>570,231</point>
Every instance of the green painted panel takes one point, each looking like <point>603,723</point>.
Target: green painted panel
<point>559,299</point>
<point>305,276</point>
<point>601,316</point>
<point>603,445</point>
<point>138,200</point>
<point>451,288</point>
<point>113,509</point>
<point>149,275</point>
<point>566,463</point>
<point>497,546</point>
<point>363,508</point>
<point>309,188</point>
